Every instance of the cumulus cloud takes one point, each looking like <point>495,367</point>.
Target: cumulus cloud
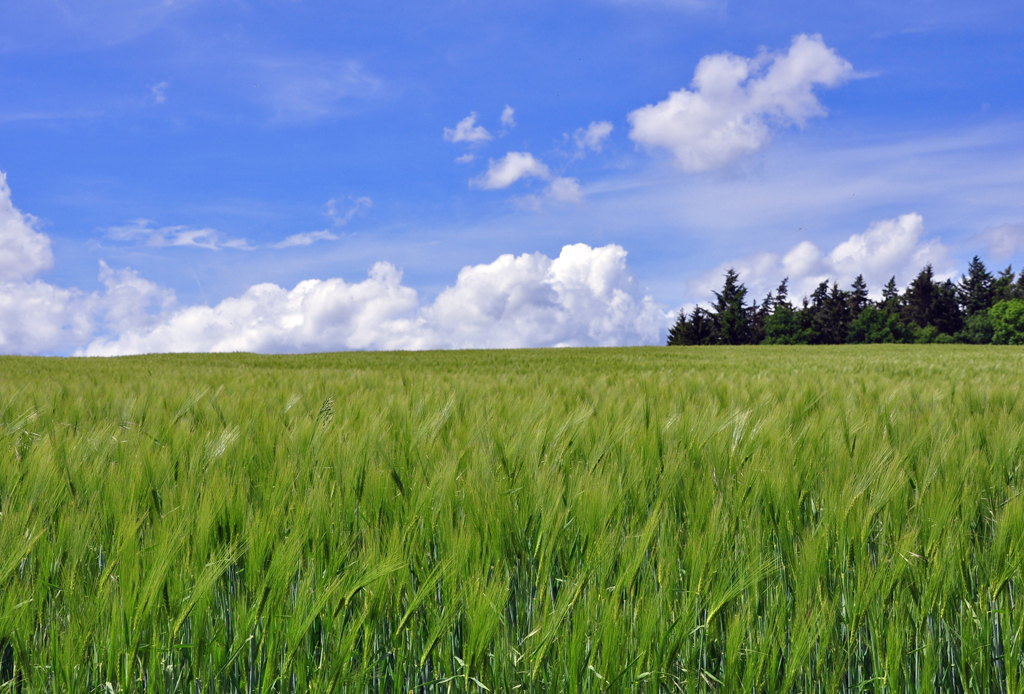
<point>467,131</point>
<point>891,247</point>
<point>734,101</point>
<point>593,136</point>
<point>142,231</point>
<point>511,168</point>
<point>508,117</point>
<point>585,296</point>
<point>24,251</point>
<point>516,166</point>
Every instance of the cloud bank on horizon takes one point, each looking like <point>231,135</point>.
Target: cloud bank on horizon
<point>584,297</point>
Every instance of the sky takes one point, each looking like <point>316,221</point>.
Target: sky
<point>297,176</point>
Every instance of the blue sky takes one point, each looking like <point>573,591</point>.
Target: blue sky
<point>183,142</point>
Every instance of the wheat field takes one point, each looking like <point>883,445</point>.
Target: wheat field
<point>793,519</point>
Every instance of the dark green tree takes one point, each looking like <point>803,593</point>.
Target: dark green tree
<point>858,297</point>
<point>700,329</point>
<point>890,295</point>
<point>730,311</point>
<point>1002,286</point>
<point>783,326</point>
<point>676,332</point>
<point>877,324</point>
<point>974,291</point>
<point>919,302</point>
<point>946,314</point>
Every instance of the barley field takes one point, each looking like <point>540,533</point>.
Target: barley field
<point>793,519</point>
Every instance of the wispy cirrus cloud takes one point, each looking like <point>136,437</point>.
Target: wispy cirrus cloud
<point>142,231</point>
<point>342,212</point>
<point>308,88</point>
<point>306,238</point>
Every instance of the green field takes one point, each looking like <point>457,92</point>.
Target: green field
<point>760,519</point>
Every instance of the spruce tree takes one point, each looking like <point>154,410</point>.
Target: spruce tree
<point>858,297</point>
<point>974,291</point>
<point>676,332</point>
<point>920,298</point>
<point>1002,286</point>
<point>891,294</point>
<point>729,310</point>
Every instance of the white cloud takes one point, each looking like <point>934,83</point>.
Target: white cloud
<point>465,158</point>
<point>515,166</point>
<point>24,252</point>
<point>593,137</point>
<point>37,317</point>
<point>159,92</point>
<point>585,296</point>
<point>141,230</point>
<point>467,131</point>
<point>306,238</point>
<point>316,315</point>
<point>565,189</point>
<point>508,117</point>
<point>735,100</point>
<point>888,248</point>
<point>1004,240</point>
<point>356,206</point>
<point>130,302</point>
<point>510,168</point>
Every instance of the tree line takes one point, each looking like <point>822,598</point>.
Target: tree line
<point>981,308</point>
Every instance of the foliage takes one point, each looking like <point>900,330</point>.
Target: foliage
<point>1007,318</point>
<point>730,311</point>
<point>736,519</point>
<point>928,311</point>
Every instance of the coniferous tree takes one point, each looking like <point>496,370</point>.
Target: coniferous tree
<point>756,317</point>
<point>836,316</point>
<point>975,288</point>
<point>678,330</point>
<point>1002,286</point>
<point>782,326</point>
<point>890,295</point>
<point>701,328</point>
<point>698,330</point>
<point>919,301</point>
<point>730,311</point>
<point>858,300</point>
<point>946,315</point>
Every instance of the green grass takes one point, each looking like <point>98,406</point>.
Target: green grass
<point>685,519</point>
